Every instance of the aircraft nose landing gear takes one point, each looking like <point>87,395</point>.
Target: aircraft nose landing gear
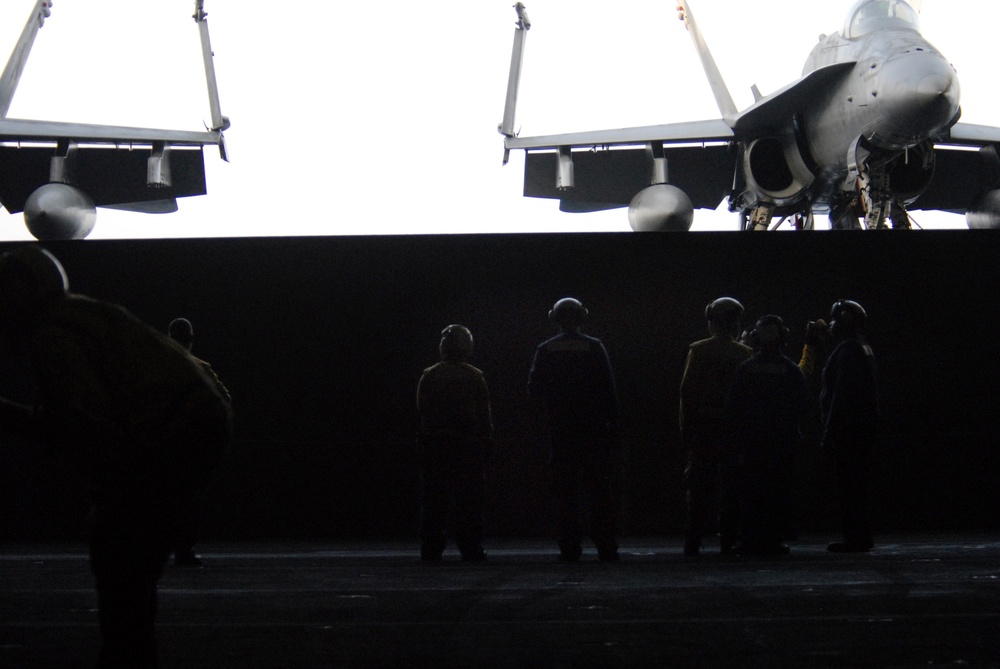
<point>875,200</point>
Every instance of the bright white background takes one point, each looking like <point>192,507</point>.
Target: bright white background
<point>380,117</point>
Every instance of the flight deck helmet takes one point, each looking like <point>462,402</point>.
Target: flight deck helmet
<point>769,332</point>
<point>568,313</point>
<point>456,343</point>
<point>847,318</point>
<point>726,314</point>
<point>182,332</point>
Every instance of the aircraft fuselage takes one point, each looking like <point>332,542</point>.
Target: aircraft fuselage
<point>901,94</point>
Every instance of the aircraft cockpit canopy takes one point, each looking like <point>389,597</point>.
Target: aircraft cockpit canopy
<point>870,15</point>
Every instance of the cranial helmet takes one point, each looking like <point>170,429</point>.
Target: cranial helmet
<point>181,331</point>
<point>568,313</point>
<point>456,343</point>
<point>770,331</point>
<point>29,276</point>
<point>847,317</point>
<point>724,311</point>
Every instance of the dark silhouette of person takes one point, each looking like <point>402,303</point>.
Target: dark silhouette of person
<point>190,506</point>
<point>182,332</point>
<point>572,374</point>
<point>850,413</point>
<point>706,427</point>
<point>135,413</point>
<point>456,431</point>
<point>768,399</point>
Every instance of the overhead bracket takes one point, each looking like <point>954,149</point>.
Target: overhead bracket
<point>661,172</point>
<point>61,164</point>
<point>565,173</point>
<point>158,167</point>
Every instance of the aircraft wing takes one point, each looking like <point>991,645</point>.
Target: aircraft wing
<point>690,132</point>
<point>969,134</point>
<point>961,179</point>
<point>607,179</point>
<point>12,129</point>
<point>611,166</point>
<point>110,163</point>
<point>962,175</point>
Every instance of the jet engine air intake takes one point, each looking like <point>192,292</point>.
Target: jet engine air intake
<point>768,166</point>
<point>775,169</point>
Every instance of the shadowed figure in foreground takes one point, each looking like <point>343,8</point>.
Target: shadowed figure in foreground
<point>135,413</point>
<point>190,506</point>
<point>456,430</point>
<point>769,400</point>
<point>706,427</point>
<point>849,408</point>
<point>572,374</point>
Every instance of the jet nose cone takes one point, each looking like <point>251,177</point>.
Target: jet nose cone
<point>938,90</point>
<point>921,94</point>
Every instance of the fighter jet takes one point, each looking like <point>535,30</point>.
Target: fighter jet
<point>869,132</point>
<point>58,173</point>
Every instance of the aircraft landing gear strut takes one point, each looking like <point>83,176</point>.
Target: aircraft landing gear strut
<point>875,198</point>
<point>761,217</point>
<point>878,204</point>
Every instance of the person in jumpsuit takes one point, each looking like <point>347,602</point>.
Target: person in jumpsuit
<point>182,332</point>
<point>850,413</point>
<point>456,431</point>
<point>571,373</point>
<point>768,400</point>
<point>706,427</point>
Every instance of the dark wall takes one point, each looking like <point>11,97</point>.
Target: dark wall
<point>322,341</point>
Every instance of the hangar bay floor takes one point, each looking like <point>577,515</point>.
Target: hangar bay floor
<point>916,601</point>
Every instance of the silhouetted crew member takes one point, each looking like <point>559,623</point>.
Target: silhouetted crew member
<point>135,413</point>
<point>572,374</point>
<point>769,399</point>
<point>456,430</point>
<point>849,407</point>
<point>706,427</point>
<point>182,332</point>
<point>189,508</point>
